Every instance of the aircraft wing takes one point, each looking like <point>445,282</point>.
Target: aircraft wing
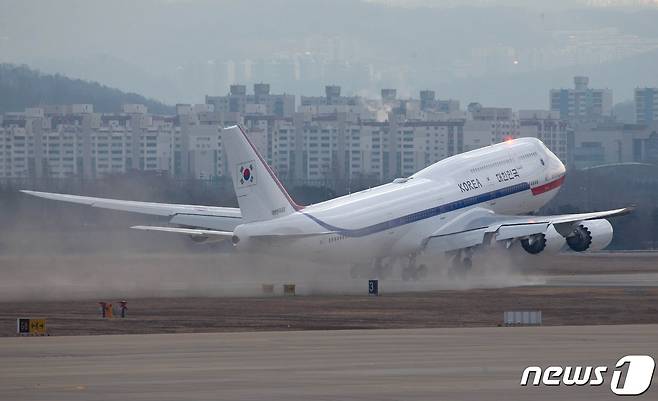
<point>215,236</point>
<point>187,231</point>
<point>473,227</point>
<point>211,217</point>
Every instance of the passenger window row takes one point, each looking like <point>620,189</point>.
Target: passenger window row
<point>490,165</point>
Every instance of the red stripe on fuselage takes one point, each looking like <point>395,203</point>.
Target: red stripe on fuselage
<point>547,187</point>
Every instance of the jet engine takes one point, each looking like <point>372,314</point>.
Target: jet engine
<point>550,242</point>
<point>592,235</point>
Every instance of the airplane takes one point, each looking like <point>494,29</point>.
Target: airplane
<point>454,207</point>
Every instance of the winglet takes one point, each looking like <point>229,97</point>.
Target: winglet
<point>624,211</point>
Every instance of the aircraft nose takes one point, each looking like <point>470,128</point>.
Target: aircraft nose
<point>560,168</point>
<point>555,165</point>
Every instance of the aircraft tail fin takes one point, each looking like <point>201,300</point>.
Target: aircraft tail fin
<point>261,196</point>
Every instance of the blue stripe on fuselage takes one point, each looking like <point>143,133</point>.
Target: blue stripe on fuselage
<point>423,214</point>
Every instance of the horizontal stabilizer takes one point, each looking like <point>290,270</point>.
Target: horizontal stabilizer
<point>292,235</point>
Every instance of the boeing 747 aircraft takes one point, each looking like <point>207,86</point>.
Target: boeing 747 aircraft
<point>466,202</point>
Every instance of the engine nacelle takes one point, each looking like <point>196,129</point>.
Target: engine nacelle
<point>549,242</point>
<point>592,235</point>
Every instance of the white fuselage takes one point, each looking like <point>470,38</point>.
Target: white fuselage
<point>511,178</point>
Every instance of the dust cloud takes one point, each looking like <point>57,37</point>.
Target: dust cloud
<point>123,263</point>
<point>54,250</point>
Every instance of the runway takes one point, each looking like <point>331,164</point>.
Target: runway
<point>603,280</point>
<point>346,286</point>
<point>414,364</point>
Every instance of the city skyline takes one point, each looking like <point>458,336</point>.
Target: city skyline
<point>334,138</point>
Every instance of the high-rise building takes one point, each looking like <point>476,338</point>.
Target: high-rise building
<point>489,125</point>
<point>549,128</point>
<point>421,143</point>
<point>71,141</point>
<point>262,102</point>
<point>646,105</point>
<point>582,103</point>
<point>428,102</point>
<point>332,97</point>
<point>348,141</point>
<point>333,103</point>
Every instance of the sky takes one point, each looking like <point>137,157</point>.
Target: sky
<point>497,52</point>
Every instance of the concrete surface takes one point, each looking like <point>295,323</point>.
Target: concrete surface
<point>604,280</point>
<point>418,364</point>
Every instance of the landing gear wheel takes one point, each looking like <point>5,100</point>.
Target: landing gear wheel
<point>460,266</point>
<point>410,271</point>
<point>376,270</point>
<point>381,269</point>
<point>421,272</point>
<point>407,274</point>
<point>414,273</point>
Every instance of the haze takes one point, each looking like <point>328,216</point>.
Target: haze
<point>507,53</point>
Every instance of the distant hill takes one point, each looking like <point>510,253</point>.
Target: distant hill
<point>22,87</point>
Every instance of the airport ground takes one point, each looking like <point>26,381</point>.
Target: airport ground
<point>600,289</point>
<point>408,364</point>
<point>196,331</point>
<point>463,308</point>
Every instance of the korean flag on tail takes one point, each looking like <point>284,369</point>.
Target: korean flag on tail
<point>246,176</point>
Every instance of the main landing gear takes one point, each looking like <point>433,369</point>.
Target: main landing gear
<point>412,271</point>
<point>462,262</point>
<point>379,269</point>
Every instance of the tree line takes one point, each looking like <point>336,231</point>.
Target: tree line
<point>22,87</point>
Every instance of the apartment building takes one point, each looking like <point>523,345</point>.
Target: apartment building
<point>646,105</point>
<point>326,139</point>
<point>582,103</point>
<point>547,126</point>
<point>260,102</point>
